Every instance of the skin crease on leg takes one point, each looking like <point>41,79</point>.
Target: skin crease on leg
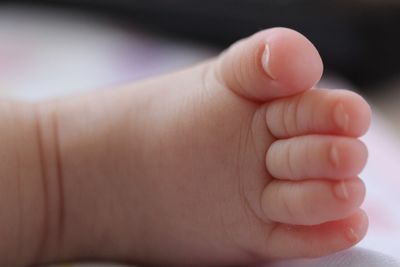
<point>234,161</point>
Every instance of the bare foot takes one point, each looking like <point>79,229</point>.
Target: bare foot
<point>233,161</point>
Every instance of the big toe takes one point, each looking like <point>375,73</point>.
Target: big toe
<point>272,63</point>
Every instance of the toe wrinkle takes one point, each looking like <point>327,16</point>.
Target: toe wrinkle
<point>290,160</point>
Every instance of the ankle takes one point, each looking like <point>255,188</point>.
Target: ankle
<point>86,144</point>
<point>26,207</point>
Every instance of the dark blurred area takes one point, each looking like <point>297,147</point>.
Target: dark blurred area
<point>357,39</point>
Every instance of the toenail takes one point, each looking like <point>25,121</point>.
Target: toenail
<point>341,117</point>
<point>266,61</point>
<point>334,156</point>
<point>341,190</point>
<point>351,235</point>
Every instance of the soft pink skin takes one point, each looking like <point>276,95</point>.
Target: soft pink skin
<point>218,164</point>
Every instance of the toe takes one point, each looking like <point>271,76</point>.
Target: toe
<point>338,112</point>
<point>311,202</point>
<point>316,156</point>
<point>318,240</point>
<point>272,63</point>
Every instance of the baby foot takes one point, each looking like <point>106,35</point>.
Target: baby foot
<point>233,161</point>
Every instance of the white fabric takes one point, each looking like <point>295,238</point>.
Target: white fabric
<point>356,257</point>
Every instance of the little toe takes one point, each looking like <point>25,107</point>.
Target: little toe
<point>338,112</point>
<point>316,156</point>
<point>272,63</point>
<point>311,202</point>
<point>317,240</point>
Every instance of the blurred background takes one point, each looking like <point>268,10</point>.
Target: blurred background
<point>55,48</point>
